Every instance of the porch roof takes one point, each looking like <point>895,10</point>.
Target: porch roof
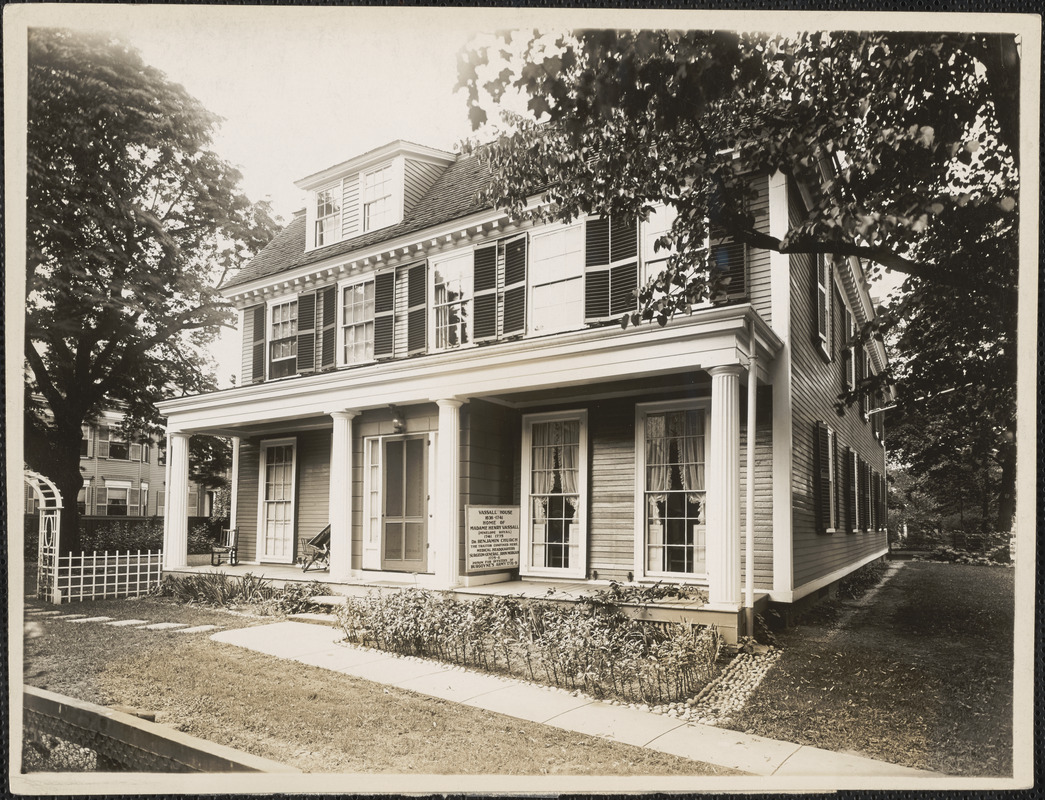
<point>705,339</point>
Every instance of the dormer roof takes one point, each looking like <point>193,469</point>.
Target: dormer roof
<point>373,157</point>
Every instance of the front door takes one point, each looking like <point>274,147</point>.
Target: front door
<point>404,543</point>
<point>276,528</point>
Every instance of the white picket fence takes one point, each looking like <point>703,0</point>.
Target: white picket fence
<point>97,576</point>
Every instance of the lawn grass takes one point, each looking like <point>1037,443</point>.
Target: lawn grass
<point>307,717</point>
<point>921,676</point>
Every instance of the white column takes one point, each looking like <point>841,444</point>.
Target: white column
<point>234,482</point>
<point>176,518</point>
<point>341,495</point>
<point>446,527</point>
<point>723,487</point>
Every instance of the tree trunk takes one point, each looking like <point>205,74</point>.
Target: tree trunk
<point>1007,488</point>
<point>55,452</point>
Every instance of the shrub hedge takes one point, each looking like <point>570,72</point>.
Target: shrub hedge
<point>589,645</point>
<point>220,589</point>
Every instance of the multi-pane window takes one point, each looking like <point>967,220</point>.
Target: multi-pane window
<point>674,501</point>
<point>557,279</point>
<point>555,472</point>
<point>85,441</point>
<point>119,448</point>
<point>116,502</point>
<point>283,339</point>
<point>328,216</point>
<point>378,201</point>
<point>357,323</point>
<point>452,300</point>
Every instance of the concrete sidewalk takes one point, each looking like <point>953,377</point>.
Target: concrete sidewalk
<point>317,645</point>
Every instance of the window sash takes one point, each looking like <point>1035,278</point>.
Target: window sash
<point>377,201</point>
<point>283,339</point>
<point>328,216</point>
<point>452,301</point>
<point>357,323</point>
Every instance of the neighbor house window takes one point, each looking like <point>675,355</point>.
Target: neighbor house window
<point>283,339</point>
<point>82,498</point>
<point>378,201</point>
<point>557,279</point>
<point>144,498</point>
<point>85,441</point>
<point>357,323</point>
<point>675,495</point>
<point>452,300</point>
<point>119,448</point>
<point>328,215</point>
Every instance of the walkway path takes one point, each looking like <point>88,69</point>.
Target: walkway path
<point>49,615</point>
<point>316,645</point>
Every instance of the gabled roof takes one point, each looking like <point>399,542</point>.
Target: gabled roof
<point>450,197</point>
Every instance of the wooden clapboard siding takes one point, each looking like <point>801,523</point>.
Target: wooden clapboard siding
<point>418,178</point>
<point>758,260</point>
<point>815,386</point>
<point>763,529</point>
<point>611,496</point>
<point>350,207</point>
<point>490,439</point>
<point>247,499</point>
<point>313,483</point>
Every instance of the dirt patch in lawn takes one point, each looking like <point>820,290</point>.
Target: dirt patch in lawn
<point>921,675</point>
<point>310,718</point>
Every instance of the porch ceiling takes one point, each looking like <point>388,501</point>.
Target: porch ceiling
<point>558,363</point>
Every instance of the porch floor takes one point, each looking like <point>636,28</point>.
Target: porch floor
<point>686,610</point>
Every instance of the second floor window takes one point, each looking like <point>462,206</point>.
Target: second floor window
<point>378,208</point>
<point>328,216</point>
<point>452,300</point>
<point>357,323</point>
<point>283,340</point>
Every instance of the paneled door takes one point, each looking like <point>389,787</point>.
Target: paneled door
<point>404,545</point>
<point>276,528</point>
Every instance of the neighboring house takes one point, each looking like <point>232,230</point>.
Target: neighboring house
<point>408,353</point>
<point>125,478</point>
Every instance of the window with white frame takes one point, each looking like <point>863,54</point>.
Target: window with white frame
<point>357,323</point>
<point>144,498</point>
<point>328,215</point>
<point>85,441</point>
<point>674,494</point>
<point>452,300</point>
<point>83,498</point>
<point>555,494</point>
<point>283,339</point>
<point>557,279</point>
<point>823,304</point>
<point>378,198</point>
<point>661,218</point>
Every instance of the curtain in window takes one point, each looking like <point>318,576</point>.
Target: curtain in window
<point>692,451</point>
<point>658,470</point>
<point>568,449</point>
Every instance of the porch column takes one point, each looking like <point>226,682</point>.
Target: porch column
<point>176,517</point>
<point>446,523</point>
<point>723,487</point>
<point>234,482</point>
<point>341,495</point>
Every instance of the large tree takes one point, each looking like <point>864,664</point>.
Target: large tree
<point>132,220</point>
<point>907,145</point>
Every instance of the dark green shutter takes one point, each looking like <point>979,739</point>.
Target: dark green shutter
<point>821,477</point>
<point>384,315</point>
<point>306,361</point>
<point>514,287</point>
<point>624,280</point>
<point>484,285</point>
<point>328,343</point>
<point>257,372</point>
<point>416,294</point>
<point>850,491</point>
<point>820,289</point>
<point>624,238</point>
<point>596,241</point>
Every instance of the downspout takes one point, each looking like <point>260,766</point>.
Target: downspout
<point>749,502</point>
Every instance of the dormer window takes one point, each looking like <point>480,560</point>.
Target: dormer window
<point>328,216</point>
<point>378,201</point>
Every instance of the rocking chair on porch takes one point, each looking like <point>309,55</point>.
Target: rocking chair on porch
<point>317,551</point>
<point>229,545</point>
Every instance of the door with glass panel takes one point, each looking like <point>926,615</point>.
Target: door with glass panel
<point>674,495</point>
<point>276,528</point>
<point>404,539</point>
<point>555,496</point>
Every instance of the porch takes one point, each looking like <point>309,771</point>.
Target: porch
<point>730,622</point>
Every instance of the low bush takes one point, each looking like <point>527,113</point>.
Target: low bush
<point>994,556</point>
<point>590,645</point>
<point>857,583</point>
<point>222,590</point>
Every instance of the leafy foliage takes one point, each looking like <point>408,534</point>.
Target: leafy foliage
<point>223,590</point>
<point>132,221</point>
<point>591,646</point>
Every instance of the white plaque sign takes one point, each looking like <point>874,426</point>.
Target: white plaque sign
<point>493,537</point>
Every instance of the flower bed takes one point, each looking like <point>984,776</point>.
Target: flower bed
<point>591,645</point>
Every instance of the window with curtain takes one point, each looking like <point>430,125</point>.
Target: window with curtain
<point>675,495</point>
<point>554,494</point>
<point>452,300</point>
